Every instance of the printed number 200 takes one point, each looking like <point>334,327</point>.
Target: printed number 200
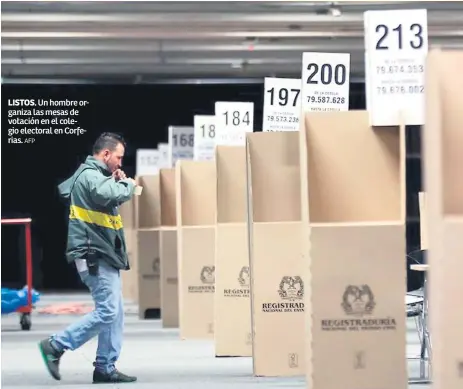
<point>327,74</point>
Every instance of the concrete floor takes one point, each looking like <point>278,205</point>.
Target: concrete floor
<point>155,355</point>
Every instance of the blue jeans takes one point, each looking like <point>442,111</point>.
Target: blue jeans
<point>106,321</point>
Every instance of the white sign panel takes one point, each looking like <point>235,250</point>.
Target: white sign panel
<point>163,155</point>
<point>204,149</point>
<point>147,163</point>
<point>233,121</point>
<point>325,82</point>
<point>396,45</point>
<point>181,143</point>
<point>282,104</point>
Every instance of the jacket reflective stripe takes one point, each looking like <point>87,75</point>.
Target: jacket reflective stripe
<point>94,217</point>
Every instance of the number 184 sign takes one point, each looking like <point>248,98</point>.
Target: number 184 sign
<point>233,121</point>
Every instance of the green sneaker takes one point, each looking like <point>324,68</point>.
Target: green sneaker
<point>51,357</point>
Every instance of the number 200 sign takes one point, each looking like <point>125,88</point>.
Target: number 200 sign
<point>325,82</point>
<point>233,121</point>
<point>395,54</point>
<point>282,104</point>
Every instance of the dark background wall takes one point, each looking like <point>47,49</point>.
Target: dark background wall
<point>142,113</point>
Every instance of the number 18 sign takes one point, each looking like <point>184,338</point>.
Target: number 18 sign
<point>396,45</point>
<point>282,104</point>
<point>233,121</point>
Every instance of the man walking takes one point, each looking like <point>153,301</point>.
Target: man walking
<point>96,244</point>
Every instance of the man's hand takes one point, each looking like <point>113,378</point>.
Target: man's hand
<point>119,175</point>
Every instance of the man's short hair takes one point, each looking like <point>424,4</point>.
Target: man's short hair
<point>107,140</point>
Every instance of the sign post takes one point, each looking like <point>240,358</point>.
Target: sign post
<point>205,137</point>
<point>325,82</point>
<point>396,44</point>
<point>233,121</point>
<point>181,143</point>
<point>282,104</point>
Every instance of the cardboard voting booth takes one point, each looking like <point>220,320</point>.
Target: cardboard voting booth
<point>168,249</point>
<point>195,184</point>
<point>148,220</point>
<point>443,169</point>
<point>232,305</point>
<point>353,211</point>
<point>277,283</point>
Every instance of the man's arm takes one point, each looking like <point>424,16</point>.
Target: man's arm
<point>105,191</point>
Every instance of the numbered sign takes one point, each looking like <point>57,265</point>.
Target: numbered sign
<point>204,149</point>
<point>181,144</point>
<point>325,82</point>
<point>396,45</point>
<point>147,163</point>
<point>233,120</point>
<point>282,104</point>
<point>163,155</point>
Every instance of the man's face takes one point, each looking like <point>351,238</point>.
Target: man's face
<point>113,159</point>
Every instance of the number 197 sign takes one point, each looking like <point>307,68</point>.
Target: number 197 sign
<point>395,54</point>
<point>282,104</point>
<point>233,121</point>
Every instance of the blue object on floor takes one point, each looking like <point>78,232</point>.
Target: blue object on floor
<point>13,299</point>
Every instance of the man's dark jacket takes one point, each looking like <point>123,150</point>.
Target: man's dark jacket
<point>94,196</point>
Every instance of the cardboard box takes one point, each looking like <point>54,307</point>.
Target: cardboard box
<point>148,221</point>
<point>196,207</point>
<point>443,173</point>
<point>168,250</point>
<point>130,277</point>
<point>277,282</point>
<point>232,306</point>
<point>353,211</point>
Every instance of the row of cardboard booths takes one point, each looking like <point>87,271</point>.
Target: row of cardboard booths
<point>291,249</point>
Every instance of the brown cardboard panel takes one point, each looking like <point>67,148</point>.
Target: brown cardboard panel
<point>443,171</point>
<point>423,221</point>
<point>196,184</point>
<point>231,184</point>
<point>353,202</point>
<point>169,278</point>
<point>278,290</point>
<point>355,172</point>
<point>232,306</point>
<point>149,289</point>
<point>167,190</point>
<point>277,280</point>
<point>148,203</point>
<point>196,255</point>
<point>357,304</point>
<point>274,172</point>
<point>130,277</point>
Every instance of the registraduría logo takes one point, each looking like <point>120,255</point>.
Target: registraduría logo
<point>208,275</point>
<point>243,277</point>
<point>242,289</point>
<point>206,281</point>
<point>291,288</point>
<point>358,300</point>
<point>291,296</point>
<point>358,304</point>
